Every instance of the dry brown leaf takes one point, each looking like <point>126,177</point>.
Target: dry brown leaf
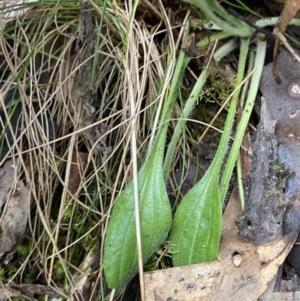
<point>233,209</point>
<point>236,276</point>
<point>272,255</point>
<point>194,282</point>
<point>82,289</point>
<point>6,179</point>
<point>239,259</point>
<point>286,296</point>
<point>14,220</point>
<point>79,162</point>
<point>241,265</point>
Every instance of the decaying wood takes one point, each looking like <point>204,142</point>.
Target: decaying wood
<point>26,291</point>
<point>276,160</point>
<point>266,202</point>
<point>273,204</point>
<point>94,134</point>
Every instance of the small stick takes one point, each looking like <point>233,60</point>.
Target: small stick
<point>285,42</point>
<point>289,11</point>
<point>281,38</point>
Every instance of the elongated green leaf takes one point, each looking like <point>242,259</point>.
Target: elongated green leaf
<point>120,253</point>
<point>196,228</point>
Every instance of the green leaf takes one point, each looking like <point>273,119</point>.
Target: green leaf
<point>120,253</point>
<point>196,228</point>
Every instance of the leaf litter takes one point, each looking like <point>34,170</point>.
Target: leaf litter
<point>15,209</point>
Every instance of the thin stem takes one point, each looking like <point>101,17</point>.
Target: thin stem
<point>214,37</point>
<point>233,104</point>
<point>97,43</point>
<point>230,24</point>
<point>240,181</point>
<point>181,123</point>
<point>168,75</point>
<point>134,115</point>
<point>258,66</point>
<point>224,50</point>
<point>175,84</point>
<point>246,85</point>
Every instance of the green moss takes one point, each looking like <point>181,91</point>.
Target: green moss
<point>217,90</point>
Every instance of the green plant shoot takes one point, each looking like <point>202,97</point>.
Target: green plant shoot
<point>197,225</point>
<point>216,13</point>
<point>120,252</point>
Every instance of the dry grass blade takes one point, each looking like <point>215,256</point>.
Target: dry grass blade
<point>63,245</point>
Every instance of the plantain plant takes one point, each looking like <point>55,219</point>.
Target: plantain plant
<point>120,252</point>
<point>196,228</point>
<point>197,224</point>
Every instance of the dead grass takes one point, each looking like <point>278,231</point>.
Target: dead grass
<point>46,52</point>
